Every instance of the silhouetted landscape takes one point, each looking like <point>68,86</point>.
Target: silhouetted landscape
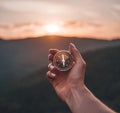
<point>23,66</point>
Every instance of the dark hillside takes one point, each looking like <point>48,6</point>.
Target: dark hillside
<point>33,94</point>
<point>19,58</point>
<point>103,75</point>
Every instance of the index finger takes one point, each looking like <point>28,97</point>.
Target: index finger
<point>53,51</point>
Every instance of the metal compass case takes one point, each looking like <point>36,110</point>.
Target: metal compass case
<point>63,60</point>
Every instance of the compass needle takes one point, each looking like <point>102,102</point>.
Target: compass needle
<point>63,60</point>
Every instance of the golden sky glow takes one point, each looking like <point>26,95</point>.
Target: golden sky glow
<point>52,28</point>
<point>88,18</point>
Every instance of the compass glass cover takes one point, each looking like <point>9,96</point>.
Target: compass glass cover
<point>63,60</point>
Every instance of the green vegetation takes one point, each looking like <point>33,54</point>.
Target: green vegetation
<point>33,94</point>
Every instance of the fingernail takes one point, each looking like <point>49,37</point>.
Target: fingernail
<point>50,50</point>
<point>52,67</point>
<point>72,45</point>
<point>53,75</point>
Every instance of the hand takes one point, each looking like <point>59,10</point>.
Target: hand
<point>65,82</point>
<point>70,86</point>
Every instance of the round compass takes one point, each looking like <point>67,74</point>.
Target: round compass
<point>63,60</point>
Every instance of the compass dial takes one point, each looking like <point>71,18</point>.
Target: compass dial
<point>63,60</point>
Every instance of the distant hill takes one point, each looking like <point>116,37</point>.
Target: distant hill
<point>33,93</point>
<point>19,58</point>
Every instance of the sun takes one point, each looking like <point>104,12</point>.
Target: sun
<point>52,28</point>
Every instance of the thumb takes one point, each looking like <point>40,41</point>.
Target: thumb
<point>75,53</point>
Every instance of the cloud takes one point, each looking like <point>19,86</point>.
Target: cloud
<point>78,24</point>
<point>21,19</point>
<point>19,31</point>
<point>104,30</point>
<point>51,10</point>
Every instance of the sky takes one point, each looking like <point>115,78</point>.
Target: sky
<point>79,18</point>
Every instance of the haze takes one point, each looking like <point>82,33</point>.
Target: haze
<point>88,18</point>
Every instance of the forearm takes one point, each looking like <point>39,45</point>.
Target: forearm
<point>81,100</point>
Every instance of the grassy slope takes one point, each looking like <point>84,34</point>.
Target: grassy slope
<point>34,94</point>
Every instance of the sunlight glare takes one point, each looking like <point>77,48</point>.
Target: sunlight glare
<point>52,28</point>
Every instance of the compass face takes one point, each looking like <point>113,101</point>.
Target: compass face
<point>63,60</point>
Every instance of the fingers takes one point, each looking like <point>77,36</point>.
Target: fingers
<point>51,67</point>
<point>80,65</point>
<point>52,52</point>
<point>50,57</point>
<point>50,76</point>
<point>75,53</point>
<point>52,70</point>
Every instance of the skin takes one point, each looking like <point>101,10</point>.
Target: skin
<point>70,86</point>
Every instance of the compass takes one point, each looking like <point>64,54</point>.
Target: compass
<point>63,60</point>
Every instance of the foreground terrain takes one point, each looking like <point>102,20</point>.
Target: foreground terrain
<point>33,94</point>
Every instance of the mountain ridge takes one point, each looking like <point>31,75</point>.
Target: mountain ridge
<point>22,57</point>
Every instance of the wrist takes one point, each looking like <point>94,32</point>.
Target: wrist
<point>81,100</point>
<point>76,96</point>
